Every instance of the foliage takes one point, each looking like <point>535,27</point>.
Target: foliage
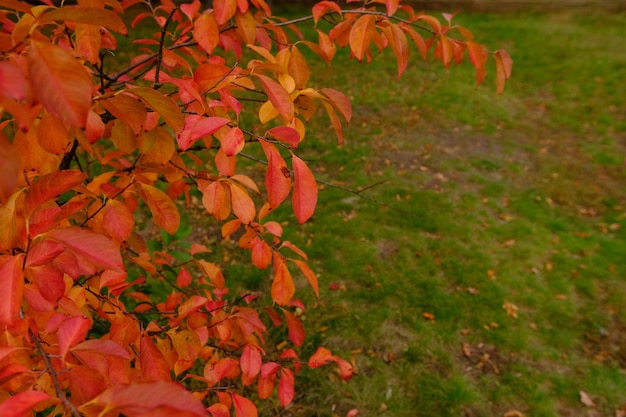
<point>86,151</point>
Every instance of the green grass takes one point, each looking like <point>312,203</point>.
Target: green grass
<point>489,200</point>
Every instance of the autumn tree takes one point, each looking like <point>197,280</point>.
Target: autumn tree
<point>89,144</point>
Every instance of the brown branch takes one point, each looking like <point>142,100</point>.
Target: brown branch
<point>159,57</point>
<point>54,375</point>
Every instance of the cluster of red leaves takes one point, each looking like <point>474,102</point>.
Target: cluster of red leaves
<point>84,149</point>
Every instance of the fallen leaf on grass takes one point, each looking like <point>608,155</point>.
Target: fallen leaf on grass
<point>428,316</point>
<point>513,413</point>
<point>467,350</point>
<point>586,399</point>
<point>511,309</point>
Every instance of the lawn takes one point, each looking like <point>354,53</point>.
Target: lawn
<point>478,268</point>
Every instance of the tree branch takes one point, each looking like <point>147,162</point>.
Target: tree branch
<point>53,375</point>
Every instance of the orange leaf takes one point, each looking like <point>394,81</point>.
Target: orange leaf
<point>334,120</point>
<point>52,134</point>
<point>282,286</point>
<point>295,328</point>
<point>399,45</point>
<point>118,220</point>
<point>286,390</point>
<point>68,98</point>
<point>417,40</point>
<point>21,404</point>
<point>261,254</point>
<point>70,332</point>
<point>232,141</point>
<point>90,246</point>
<point>11,288</point>
<point>183,279</point>
<point>153,364</point>
<point>242,204</point>
<point>309,275</point>
<point>127,109</point>
<point>206,32</point>
<point>244,407</point>
<point>278,97</point>
<point>321,357</point>
<point>479,55</point>
<point>164,211</point>
<point>446,50</point>
<point>88,15</point>
<point>49,187</point>
<point>321,8</point>
<point>285,134</point>
<point>304,197</point>
<point>88,41</point>
<point>157,399</point>
<point>277,176</point>
<point>504,65</point>
<point>215,199</point>
<point>339,101</point>
<point>224,10</point>
<point>298,67</point>
<point>361,35</point>
<point>162,104</point>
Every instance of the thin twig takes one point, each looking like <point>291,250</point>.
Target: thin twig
<point>53,375</point>
<point>159,57</point>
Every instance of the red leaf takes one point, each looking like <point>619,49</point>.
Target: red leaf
<point>156,398</point>
<point>392,6</point>
<point>206,32</point>
<point>21,405</point>
<point>278,97</point>
<point>197,127</point>
<point>70,332</point>
<point>479,55</point>
<point>183,279</point>
<point>232,141</point>
<point>89,246</point>
<point>321,357</point>
<point>308,273</point>
<point>321,8</point>
<point>277,176</point>
<point>304,197</point>
<point>118,220</point>
<point>286,134</point>
<point>295,327</point>
<point>51,186</point>
<point>244,407</point>
<point>12,82</point>
<point>42,252</point>
<point>102,347</point>
<point>224,10</point>
<point>282,286</point>
<point>164,211</point>
<point>11,288</point>
<point>89,15</point>
<point>250,361</point>
<point>163,105</point>
<point>219,410</point>
<point>399,45</point>
<point>68,98</point>
<point>361,35</point>
<point>286,390</point>
<point>154,367</point>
